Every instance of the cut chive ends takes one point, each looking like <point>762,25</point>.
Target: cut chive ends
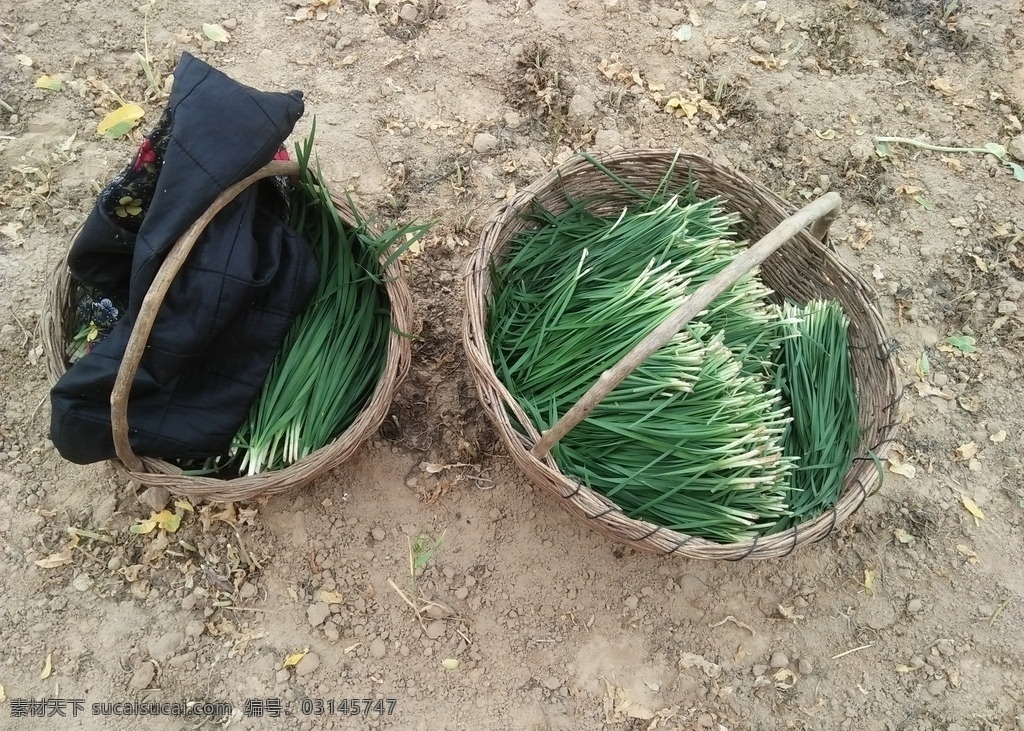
<point>743,427</point>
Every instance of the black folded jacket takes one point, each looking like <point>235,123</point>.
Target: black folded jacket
<point>228,310</point>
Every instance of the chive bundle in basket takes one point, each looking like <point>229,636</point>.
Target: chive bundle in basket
<point>335,352</point>
<point>697,438</point>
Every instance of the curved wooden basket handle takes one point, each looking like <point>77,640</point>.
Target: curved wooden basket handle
<point>154,298</point>
<point>818,214</point>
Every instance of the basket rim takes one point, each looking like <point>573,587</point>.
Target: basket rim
<point>160,473</point>
<point>863,476</point>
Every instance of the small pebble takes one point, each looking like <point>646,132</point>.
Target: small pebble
<point>195,628</point>
<point>484,142</point>
<point>142,676</point>
<point>804,667</point>
<point>461,593</point>
<point>915,605</point>
<point>759,670</point>
<point>551,682</point>
<point>937,687</point>
<point>631,602</point>
<point>30,29</point>
<point>307,665</point>
<point>282,675</point>
<point>706,720</point>
<point>229,24</point>
<point>798,129</point>
<point>378,534</point>
<point>435,629</point>
<point>409,13</point>
<point>378,648</point>
<point>760,45</point>
<point>1006,307</point>
<point>331,632</point>
<point>779,660</point>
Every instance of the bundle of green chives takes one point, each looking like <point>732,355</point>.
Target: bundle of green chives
<point>335,352</point>
<point>698,438</point>
<point>816,380</point>
<point>691,439</point>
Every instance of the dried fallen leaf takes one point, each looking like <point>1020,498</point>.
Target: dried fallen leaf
<point>3,694</point>
<point>906,668</point>
<point>973,509</point>
<point>829,134</point>
<point>293,659</point>
<point>903,537</point>
<point>972,557</point>
<point>784,675</point>
<point>184,505</point>
<point>789,613</point>
<point>869,580</point>
<point>966,451</point>
<point>216,33</point>
<point>953,164</point>
<point>329,597</point>
<point>47,667</point>
<point>999,437</point>
<point>121,121</point>
<point>143,526</point>
<point>942,86</point>
<point>905,469</point>
<point>24,60</point>
<point>450,663</point>
<point>61,558</point>
<point>49,83</point>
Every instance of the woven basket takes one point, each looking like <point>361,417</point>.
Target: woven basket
<point>56,326</point>
<point>801,268</point>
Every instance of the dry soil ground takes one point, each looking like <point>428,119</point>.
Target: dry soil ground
<point>435,111</point>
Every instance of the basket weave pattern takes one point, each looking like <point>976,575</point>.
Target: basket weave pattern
<point>57,322</point>
<point>801,270</point>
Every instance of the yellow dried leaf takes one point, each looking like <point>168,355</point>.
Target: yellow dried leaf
<point>906,469</point>
<point>829,134</point>
<point>450,663</point>
<point>953,164</point>
<point>184,505</point>
<point>49,83</point>
<point>329,597</point>
<point>143,526</point>
<point>999,437</point>
<point>3,694</point>
<point>47,667</point>
<point>966,451</point>
<point>973,509</point>
<point>942,86</point>
<point>869,580</point>
<point>972,557</point>
<point>905,669</point>
<point>681,108</point>
<point>293,659</point>
<point>24,60</point>
<point>167,520</point>
<point>121,121</point>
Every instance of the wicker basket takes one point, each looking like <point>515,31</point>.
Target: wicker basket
<point>800,269</point>
<point>152,472</point>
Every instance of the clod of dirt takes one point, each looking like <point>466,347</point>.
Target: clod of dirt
<point>435,629</point>
<point>484,142</point>
<point>378,648</point>
<point>317,613</point>
<point>195,628</point>
<point>307,665</point>
<point>143,676</point>
<point>166,646</point>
